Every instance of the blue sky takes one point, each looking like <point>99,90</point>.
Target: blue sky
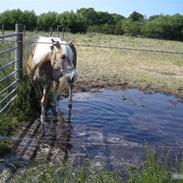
<point>123,7</point>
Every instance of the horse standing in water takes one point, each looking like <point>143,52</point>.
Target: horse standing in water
<point>50,59</point>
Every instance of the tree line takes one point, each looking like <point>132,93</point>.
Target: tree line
<point>89,20</point>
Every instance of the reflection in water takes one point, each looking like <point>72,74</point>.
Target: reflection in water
<point>55,141</point>
<point>63,132</point>
<point>114,125</point>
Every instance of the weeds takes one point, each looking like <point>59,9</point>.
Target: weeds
<point>153,171</point>
<point>22,109</point>
<point>51,173</point>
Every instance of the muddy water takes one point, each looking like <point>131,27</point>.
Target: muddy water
<point>107,126</point>
<point>114,125</point>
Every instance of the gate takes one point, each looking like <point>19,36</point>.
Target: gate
<point>11,56</point>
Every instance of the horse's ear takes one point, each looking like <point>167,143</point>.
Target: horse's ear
<point>52,40</point>
<point>70,42</point>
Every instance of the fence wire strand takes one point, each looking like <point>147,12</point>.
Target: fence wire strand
<point>103,47</point>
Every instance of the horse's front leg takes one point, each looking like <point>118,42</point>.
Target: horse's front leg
<point>57,90</point>
<point>70,96</point>
<point>43,104</point>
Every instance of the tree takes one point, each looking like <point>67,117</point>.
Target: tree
<point>10,18</point>
<point>153,17</point>
<point>90,14</point>
<point>135,16</point>
<point>105,18</point>
<point>164,27</point>
<point>29,19</point>
<point>117,18</point>
<point>76,22</point>
<point>107,29</point>
<point>46,20</point>
<point>118,29</point>
<point>131,28</point>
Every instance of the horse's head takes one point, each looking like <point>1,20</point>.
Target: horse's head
<point>63,61</point>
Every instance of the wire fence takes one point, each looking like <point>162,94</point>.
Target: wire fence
<point>102,47</point>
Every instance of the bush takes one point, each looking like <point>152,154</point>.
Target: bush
<point>164,27</point>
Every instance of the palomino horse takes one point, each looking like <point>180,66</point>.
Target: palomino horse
<point>50,59</point>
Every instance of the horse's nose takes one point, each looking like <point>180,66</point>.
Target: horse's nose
<point>71,76</point>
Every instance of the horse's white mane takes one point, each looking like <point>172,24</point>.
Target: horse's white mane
<point>43,48</point>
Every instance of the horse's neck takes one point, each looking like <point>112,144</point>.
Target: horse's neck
<point>41,52</point>
<point>47,60</point>
<point>43,66</point>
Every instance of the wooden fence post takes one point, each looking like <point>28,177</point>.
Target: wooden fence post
<point>2,32</point>
<point>51,31</point>
<point>58,31</point>
<point>63,31</point>
<point>2,29</point>
<point>19,52</point>
<point>24,30</point>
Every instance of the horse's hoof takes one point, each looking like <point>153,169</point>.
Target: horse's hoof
<point>59,97</point>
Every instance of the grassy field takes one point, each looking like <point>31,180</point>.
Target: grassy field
<point>144,70</point>
<point>103,67</point>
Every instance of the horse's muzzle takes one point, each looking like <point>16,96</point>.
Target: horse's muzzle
<point>71,76</point>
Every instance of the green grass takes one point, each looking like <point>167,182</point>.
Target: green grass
<point>152,171</point>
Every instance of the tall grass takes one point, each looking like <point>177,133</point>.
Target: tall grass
<point>153,171</point>
<point>23,109</point>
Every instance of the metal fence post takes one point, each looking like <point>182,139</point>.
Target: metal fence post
<point>2,29</point>
<point>19,51</point>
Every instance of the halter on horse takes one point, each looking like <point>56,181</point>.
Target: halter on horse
<point>50,60</point>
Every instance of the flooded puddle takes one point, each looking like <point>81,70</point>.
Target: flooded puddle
<point>107,126</point>
<point>115,125</point>
<point>131,115</point>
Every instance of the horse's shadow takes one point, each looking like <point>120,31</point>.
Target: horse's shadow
<point>40,143</point>
<point>58,132</point>
<point>46,141</point>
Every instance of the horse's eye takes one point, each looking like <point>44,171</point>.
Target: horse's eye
<point>63,56</point>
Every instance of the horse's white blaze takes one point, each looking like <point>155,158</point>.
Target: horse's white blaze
<point>72,74</point>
